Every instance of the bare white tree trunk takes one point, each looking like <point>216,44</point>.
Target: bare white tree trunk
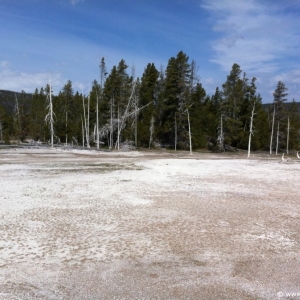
<point>251,130</point>
<point>135,119</point>
<point>118,141</point>
<point>271,141</point>
<point>66,128</point>
<point>97,121</point>
<point>102,78</point>
<point>288,136</point>
<point>151,131</point>
<point>88,124</point>
<point>220,138</point>
<point>49,117</point>
<point>190,135</point>
<point>111,123</point>
<point>1,130</point>
<point>175,133</point>
<point>17,114</point>
<point>277,139</point>
<point>126,113</point>
<point>82,132</point>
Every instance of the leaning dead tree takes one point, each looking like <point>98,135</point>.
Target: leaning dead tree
<point>131,110</point>
<point>49,117</point>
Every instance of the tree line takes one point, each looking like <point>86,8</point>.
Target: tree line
<point>165,107</point>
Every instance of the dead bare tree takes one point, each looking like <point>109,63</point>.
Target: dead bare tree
<point>288,136</point>
<point>126,113</point>
<point>17,117</point>
<point>66,128</point>
<point>151,129</point>
<point>277,139</point>
<point>131,105</point>
<point>82,132</point>
<point>189,124</point>
<point>175,125</point>
<point>49,117</point>
<point>284,159</point>
<point>86,121</point>
<point>272,132</point>
<point>111,123</point>
<point>220,138</point>
<point>1,132</point>
<point>251,129</point>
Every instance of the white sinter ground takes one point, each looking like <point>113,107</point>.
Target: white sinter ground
<point>79,224</point>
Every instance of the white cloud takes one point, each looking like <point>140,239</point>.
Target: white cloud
<point>229,6</point>
<point>291,80</point>
<point>251,34</point>
<point>262,37</point>
<point>16,81</point>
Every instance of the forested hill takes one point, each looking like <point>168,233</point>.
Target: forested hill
<point>8,99</point>
<point>286,106</point>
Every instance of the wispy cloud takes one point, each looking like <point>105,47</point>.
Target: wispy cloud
<point>251,34</point>
<point>73,2</point>
<point>260,36</point>
<point>12,80</point>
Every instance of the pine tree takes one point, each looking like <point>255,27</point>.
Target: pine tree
<point>176,100</point>
<point>6,120</point>
<point>278,116</point>
<point>67,95</point>
<point>199,115</point>
<point>147,94</point>
<point>21,117</point>
<point>233,96</point>
<point>294,133</point>
<point>37,126</point>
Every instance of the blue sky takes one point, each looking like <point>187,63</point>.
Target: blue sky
<point>65,40</point>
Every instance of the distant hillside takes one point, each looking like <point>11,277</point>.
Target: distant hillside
<point>286,106</point>
<point>8,98</point>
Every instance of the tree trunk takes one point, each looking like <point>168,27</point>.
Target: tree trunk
<point>277,139</point>
<point>272,132</point>
<point>251,130</point>
<point>190,135</point>
<point>288,136</point>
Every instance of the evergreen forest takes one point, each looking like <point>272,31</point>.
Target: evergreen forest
<point>164,108</point>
